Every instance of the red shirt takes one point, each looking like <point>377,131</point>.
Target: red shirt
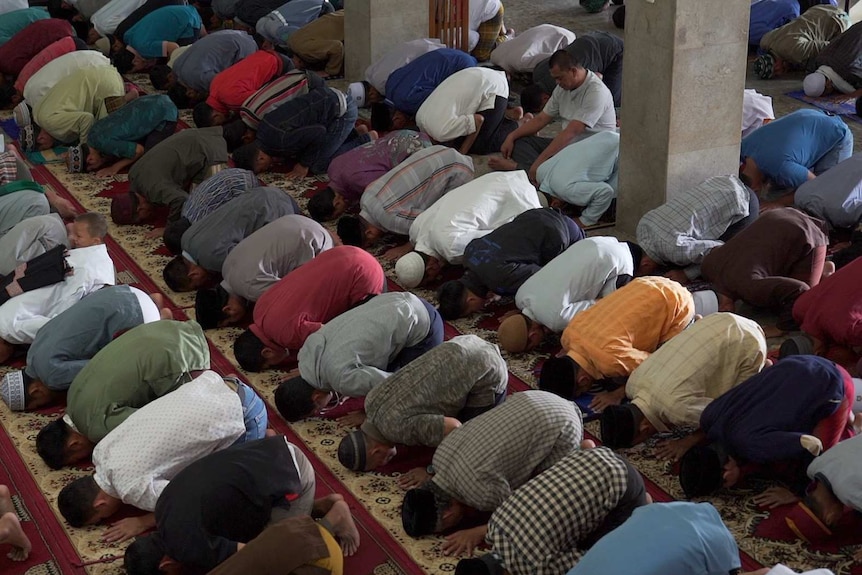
<point>314,293</point>
<point>230,87</point>
<point>59,48</point>
<point>831,311</point>
<point>27,43</point>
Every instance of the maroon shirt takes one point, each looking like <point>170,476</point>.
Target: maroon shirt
<point>27,43</point>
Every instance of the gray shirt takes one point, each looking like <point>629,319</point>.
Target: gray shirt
<point>209,241</point>
<point>270,253</point>
<point>409,406</point>
<point>30,238</point>
<point>18,206</point>
<point>482,462</point>
<point>351,353</point>
<point>841,468</point>
<point>213,53</point>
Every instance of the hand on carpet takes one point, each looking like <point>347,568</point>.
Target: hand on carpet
<point>108,172</point>
<point>127,528</point>
<point>393,254</point>
<point>298,171</point>
<point>677,276</point>
<point>674,449</point>
<point>775,497</point>
<point>155,233</point>
<point>608,398</point>
<point>858,556</point>
<point>464,541</point>
<point>413,478</point>
<point>352,419</point>
<point>11,533</point>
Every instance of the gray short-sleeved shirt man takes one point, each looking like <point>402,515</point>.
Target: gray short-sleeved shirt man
<point>591,104</point>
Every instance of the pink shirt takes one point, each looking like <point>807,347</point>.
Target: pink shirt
<point>59,48</point>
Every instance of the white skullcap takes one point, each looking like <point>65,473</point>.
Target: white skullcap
<point>410,269</point>
<point>857,403</point>
<point>705,302</point>
<point>814,84</point>
<point>12,390</point>
<point>356,92</point>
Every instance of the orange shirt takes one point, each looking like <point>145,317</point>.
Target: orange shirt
<point>616,335</point>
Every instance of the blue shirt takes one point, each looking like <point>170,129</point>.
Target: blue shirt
<point>767,15</point>
<point>118,133</point>
<point>213,53</point>
<point>763,418</point>
<point>13,22</point>
<point>409,86</point>
<point>786,149</point>
<point>665,539</point>
<point>167,24</point>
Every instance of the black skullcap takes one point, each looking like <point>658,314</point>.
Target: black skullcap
<point>485,565</point>
<point>637,254</point>
<point>618,426</point>
<point>701,470</point>
<point>558,376</point>
<point>208,306</point>
<point>351,451</point>
<point>419,512</point>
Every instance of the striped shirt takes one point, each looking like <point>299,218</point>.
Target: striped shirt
<point>617,334</point>
<point>275,93</point>
<point>393,201</point>
<point>482,462</point>
<point>537,530</point>
<point>683,230</point>
<point>216,191</point>
<point>674,385</point>
<point>409,407</point>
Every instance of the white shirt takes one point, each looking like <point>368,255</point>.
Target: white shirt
<point>755,109</point>
<point>782,570</point>
<point>48,75</point>
<point>137,460</point>
<point>24,315</point>
<point>107,18</point>
<point>378,73</point>
<point>524,51</point>
<point>574,280</point>
<point>591,103</point>
<point>10,5</point>
<point>472,211</point>
<point>448,112</point>
<point>149,310</point>
<point>481,11</point>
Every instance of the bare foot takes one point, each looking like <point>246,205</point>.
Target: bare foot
<point>132,94</point>
<point>515,113</point>
<point>270,432</point>
<point>501,164</point>
<point>11,533</point>
<point>343,527</point>
<point>828,270</point>
<point>158,299</point>
<point>361,129</point>
<point>725,303</point>
<point>322,506</point>
<point>588,444</point>
<point>373,135</point>
<point>166,313</point>
<point>5,500</point>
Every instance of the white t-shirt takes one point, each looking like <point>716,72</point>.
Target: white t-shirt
<point>591,103</point>
<point>378,73</point>
<point>137,460</point>
<point>48,75</point>
<point>524,51</point>
<point>109,16</point>
<point>448,112</point>
<point>755,109</point>
<point>481,11</point>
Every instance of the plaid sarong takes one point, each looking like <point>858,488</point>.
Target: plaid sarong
<point>489,31</point>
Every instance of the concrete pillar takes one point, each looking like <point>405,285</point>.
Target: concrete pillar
<point>372,27</point>
<point>683,78</point>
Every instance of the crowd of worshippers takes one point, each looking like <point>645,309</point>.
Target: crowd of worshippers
<point>648,327</point>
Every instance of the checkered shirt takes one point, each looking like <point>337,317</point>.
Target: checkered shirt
<point>537,530</point>
<point>484,460</point>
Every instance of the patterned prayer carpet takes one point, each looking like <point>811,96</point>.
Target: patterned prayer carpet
<point>838,105</point>
<point>374,497</point>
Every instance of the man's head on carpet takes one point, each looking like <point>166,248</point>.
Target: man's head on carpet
<point>359,451</point>
<point>821,500</point>
<point>251,157</point>
<point>87,230</point>
<point>518,333</point>
<point>457,300</point>
<point>205,116</point>
<point>253,355</point>
<point>296,399</point>
<point>9,95</point>
<point>131,208</point>
<point>415,268</point>
<point>625,426</point>
<point>59,445</point>
<point>429,509</point>
<point>326,205</point>
<point>23,393</point>
<point>144,556</point>
<point>357,231</point>
<point>216,307</point>
<point>563,376</point>
<point>706,469</point>
<point>182,275</point>
<point>83,502</point>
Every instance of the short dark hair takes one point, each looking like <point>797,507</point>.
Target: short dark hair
<point>76,501</point>
<point>205,12</point>
<point>244,156</point>
<point>558,376</point>
<point>176,275</point>
<point>248,348</point>
<point>82,29</point>
<point>179,96</point>
<point>173,235</point>
<point>381,117</point>
<point>7,92</point>
<point>208,306</point>
<point>203,115</point>
<point>350,231</point>
<point>96,223</point>
<point>531,98</point>
<point>144,555</point>
<point>232,132</point>
<point>159,76</point>
<point>123,61</point>
<point>562,60</point>
<point>320,206</point>
<point>293,399</point>
<point>451,296</point>
<point>51,443</point>
<point>619,17</point>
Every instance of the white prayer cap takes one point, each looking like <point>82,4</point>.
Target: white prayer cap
<point>857,403</point>
<point>705,302</point>
<point>356,92</point>
<point>410,269</point>
<point>12,390</point>
<point>814,84</point>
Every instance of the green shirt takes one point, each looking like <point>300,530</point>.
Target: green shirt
<point>13,22</point>
<point>141,365</point>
